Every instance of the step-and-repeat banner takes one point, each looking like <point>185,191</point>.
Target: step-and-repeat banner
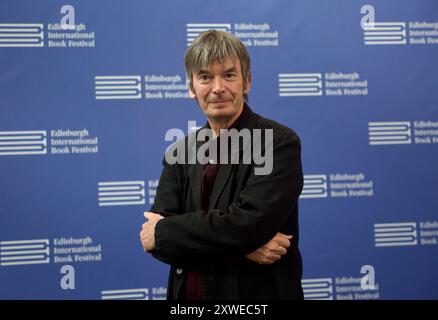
<point>88,90</point>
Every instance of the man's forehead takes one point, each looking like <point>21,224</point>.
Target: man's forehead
<point>228,63</point>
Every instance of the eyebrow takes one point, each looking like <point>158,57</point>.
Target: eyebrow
<point>232,69</point>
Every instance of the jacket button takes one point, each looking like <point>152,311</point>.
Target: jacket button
<point>179,271</point>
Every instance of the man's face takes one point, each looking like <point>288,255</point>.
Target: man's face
<point>219,89</point>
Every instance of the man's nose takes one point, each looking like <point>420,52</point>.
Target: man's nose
<point>218,86</point>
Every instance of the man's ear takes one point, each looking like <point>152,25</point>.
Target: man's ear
<point>192,94</point>
<point>247,86</point>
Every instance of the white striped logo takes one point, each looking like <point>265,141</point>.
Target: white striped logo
<point>395,234</point>
<point>21,35</point>
<point>318,289</point>
<point>23,142</point>
<point>315,186</point>
<point>382,33</point>
<point>128,294</point>
<point>300,84</point>
<point>194,29</point>
<point>121,193</point>
<point>24,252</point>
<point>389,132</point>
<point>117,87</point>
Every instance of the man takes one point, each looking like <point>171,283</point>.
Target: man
<point>227,232</point>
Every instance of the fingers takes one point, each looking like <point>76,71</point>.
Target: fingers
<point>148,215</point>
<point>151,216</point>
<point>274,257</point>
<point>264,255</point>
<point>282,239</point>
<point>283,243</point>
<point>275,248</point>
<point>280,250</point>
<point>270,259</point>
<point>282,235</point>
<point>147,230</point>
<point>272,251</point>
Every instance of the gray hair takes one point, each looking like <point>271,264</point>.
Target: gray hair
<point>214,45</point>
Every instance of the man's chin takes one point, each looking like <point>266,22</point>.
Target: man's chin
<point>218,113</point>
<point>221,105</point>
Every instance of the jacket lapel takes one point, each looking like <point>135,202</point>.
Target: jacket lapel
<point>195,175</point>
<point>221,180</point>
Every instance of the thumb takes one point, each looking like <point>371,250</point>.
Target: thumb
<point>284,235</point>
<point>148,215</point>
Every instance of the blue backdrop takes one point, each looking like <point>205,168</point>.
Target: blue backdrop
<point>89,89</point>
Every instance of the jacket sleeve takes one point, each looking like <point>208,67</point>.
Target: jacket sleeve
<point>168,201</point>
<point>262,208</point>
<point>169,197</point>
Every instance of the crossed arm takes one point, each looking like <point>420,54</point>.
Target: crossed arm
<point>269,253</point>
<point>251,225</point>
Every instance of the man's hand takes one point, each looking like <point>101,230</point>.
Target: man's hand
<point>147,234</point>
<point>272,250</point>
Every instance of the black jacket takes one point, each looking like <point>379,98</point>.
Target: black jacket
<point>246,211</point>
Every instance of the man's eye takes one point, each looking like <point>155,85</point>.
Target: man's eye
<point>204,77</point>
<point>230,75</point>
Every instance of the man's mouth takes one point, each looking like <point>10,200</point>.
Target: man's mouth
<point>219,101</point>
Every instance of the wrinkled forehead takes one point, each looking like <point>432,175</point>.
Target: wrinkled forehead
<point>227,63</point>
